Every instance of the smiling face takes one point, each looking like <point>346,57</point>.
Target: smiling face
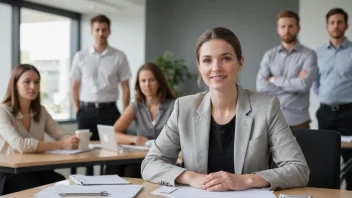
<point>218,64</point>
<point>148,83</point>
<point>28,85</point>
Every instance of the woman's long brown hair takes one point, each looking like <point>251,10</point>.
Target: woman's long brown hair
<point>11,98</point>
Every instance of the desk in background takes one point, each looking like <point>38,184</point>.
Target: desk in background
<point>150,187</point>
<point>19,163</point>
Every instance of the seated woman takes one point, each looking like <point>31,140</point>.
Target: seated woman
<point>23,122</point>
<point>151,110</point>
<point>227,132</point>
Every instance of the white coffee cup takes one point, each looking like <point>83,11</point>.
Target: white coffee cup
<point>84,138</point>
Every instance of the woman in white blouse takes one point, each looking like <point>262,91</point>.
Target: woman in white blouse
<point>23,122</point>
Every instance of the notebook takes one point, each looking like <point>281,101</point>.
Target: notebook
<point>98,180</point>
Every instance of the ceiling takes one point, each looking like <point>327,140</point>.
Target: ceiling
<point>93,6</point>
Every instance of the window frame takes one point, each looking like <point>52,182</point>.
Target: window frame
<point>75,32</point>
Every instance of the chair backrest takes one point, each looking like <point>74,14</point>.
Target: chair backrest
<point>322,150</point>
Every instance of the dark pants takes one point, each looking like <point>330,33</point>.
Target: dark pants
<point>17,182</point>
<point>129,170</point>
<point>339,120</point>
<point>88,117</point>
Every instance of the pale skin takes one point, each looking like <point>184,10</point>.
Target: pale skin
<point>219,67</point>
<point>100,33</point>
<point>28,86</point>
<point>149,87</point>
<point>336,27</point>
<point>287,28</point>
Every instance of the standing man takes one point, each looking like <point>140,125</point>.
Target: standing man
<point>288,70</point>
<point>333,85</point>
<point>96,73</point>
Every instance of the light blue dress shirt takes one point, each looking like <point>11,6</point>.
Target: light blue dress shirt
<point>333,84</point>
<point>292,91</point>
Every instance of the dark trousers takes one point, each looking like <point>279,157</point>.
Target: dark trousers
<point>17,182</point>
<point>341,121</point>
<point>88,117</point>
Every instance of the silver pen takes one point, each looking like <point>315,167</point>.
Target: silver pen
<point>102,193</point>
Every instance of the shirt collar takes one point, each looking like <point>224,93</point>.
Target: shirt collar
<point>343,45</point>
<point>92,50</point>
<point>19,115</point>
<point>297,47</point>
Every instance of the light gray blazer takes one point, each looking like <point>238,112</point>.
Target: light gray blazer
<point>260,128</point>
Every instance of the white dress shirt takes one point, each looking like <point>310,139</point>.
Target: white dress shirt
<point>100,74</point>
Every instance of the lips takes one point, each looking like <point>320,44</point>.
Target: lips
<point>218,77</point>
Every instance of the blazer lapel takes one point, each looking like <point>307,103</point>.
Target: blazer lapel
<point>242,130</point>
<point>201,128</point>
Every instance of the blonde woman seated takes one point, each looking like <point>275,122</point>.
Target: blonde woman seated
<point>151,110</point>
<point>23,122</point>
<point>227,132</point>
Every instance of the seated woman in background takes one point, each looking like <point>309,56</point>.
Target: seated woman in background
<point>151,110</point>
<point>23,122</point>
<point>227,132</point>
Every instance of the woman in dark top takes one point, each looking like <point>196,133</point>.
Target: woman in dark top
<point>226,133</point>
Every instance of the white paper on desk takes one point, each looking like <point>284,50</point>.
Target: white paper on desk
<point>165,190</point>
<point>98,180</point>
<point>190,192</point>
<point>75,151</point>
<point>134,147</point>
<point>346,138</point>
<point>113,190</point>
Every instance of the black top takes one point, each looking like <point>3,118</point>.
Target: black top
<point>221,145</point>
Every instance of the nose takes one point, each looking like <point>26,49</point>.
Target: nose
<point>216,67</point>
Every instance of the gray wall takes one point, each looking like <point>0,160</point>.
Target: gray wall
<point>175,25</point>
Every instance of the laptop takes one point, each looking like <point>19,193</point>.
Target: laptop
<point>107,138</point>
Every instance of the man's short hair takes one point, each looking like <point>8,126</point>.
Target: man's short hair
<point>337,11</point>
<point>101,19</point>
<point>288,14</point>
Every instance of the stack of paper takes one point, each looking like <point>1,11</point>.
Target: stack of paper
<point>112,190</point>
<point>134,147</point>
<point>188,192</point>
<point>98,180</point>
<point>346,138</point>
<point>75,151</point>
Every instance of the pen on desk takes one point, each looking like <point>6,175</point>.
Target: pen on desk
<point>102,193</point>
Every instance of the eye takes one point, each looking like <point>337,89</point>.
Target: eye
<point>206,60</point>
<point>226,58</point>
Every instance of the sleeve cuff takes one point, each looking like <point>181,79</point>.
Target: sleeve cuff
<point>269,177</point>
<point>177,171</point>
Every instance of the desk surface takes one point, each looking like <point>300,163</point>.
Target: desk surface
<point>346,145</point>
<point>16,163</point>
<point>149,187</point>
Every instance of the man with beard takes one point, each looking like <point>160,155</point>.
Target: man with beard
<point>333,84</point>
<point>288,70</point>
<point>96,74</point>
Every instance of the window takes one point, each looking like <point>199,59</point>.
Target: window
<point>45,43</point>
<point>5,47</point>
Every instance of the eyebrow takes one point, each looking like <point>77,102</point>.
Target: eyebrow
<point>224,54</point>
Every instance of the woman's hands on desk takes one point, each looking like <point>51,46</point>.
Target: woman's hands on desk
<point>224,181</point>
<point>70,143</point>
<point>221,181</point>
<point>140,140</point>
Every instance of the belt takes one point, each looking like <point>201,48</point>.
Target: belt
<point>336,107</point>
<point>97,104</point>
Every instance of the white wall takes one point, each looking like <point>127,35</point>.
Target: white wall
<point>313,32</point>
<point>5,47</point>
<point>127,34</point>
